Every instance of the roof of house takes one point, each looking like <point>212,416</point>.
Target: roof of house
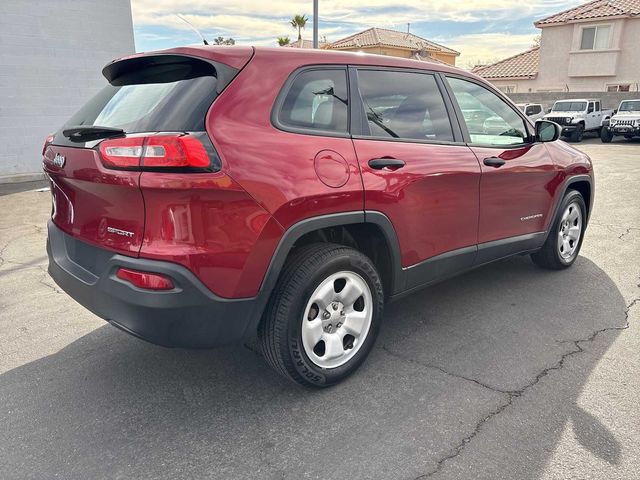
<point>390,38</point>
<point>593,10</point>
<point>304,44</point>
<point>524,64</point>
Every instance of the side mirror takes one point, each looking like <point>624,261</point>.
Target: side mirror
<point>547,131</point>
<point>549,110</point>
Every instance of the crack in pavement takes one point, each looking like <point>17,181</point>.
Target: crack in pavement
<point>627,232</point>
<point>512,395</point>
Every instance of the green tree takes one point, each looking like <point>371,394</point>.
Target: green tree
<point>299,21</point>
<point>224,41</point>
<point>282,41</point>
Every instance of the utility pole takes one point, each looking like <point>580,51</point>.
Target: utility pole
<point>315,23</point>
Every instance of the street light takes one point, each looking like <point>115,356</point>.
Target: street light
<point>315,23</point>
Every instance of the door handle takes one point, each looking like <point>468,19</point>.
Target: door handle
<point>494,162</point>
<point>380,163</point>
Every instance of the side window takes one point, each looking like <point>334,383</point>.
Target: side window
<point>597,106</point>
<point>404,105</point>
<point>536,109</point>
<point>590,109</point>
<point>489,119</point>
<point>316,100</point>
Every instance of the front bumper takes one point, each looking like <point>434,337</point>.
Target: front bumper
<point>568,130</point>
<point>625,130</point>
<point>189,316</point>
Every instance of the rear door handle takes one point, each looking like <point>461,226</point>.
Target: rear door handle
<point>494,162</point>
<point>380,163</point>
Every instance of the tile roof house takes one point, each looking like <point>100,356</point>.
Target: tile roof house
<point>382,41</point>
<point>591,47</point>
<point>304,44</point>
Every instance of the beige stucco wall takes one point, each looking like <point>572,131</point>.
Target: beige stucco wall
<point>564,66</point>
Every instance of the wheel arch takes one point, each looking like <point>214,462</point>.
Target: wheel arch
<point>357,224</point>
<point>581,183</point>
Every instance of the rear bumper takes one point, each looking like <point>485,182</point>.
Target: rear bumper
<point>189,316</point>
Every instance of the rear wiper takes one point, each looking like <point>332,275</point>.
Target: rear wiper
<point>82,133</point>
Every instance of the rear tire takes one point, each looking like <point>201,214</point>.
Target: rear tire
<point>605,135</point>
<point>565,237</point>
<point>577,134</point>
<point>323,316</point>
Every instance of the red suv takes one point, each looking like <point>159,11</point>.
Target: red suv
<point>211,193</point>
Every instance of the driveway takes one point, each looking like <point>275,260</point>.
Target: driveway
<point>507,372</point>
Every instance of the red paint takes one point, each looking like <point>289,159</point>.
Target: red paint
<point>432,201</point>
<point>518,189</point>
<point>89,198</point>
<point>332,168</point>
<point>225,226</point>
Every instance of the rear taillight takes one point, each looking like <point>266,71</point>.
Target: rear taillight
<point>146,280</point>
<point>47,142</point>
<point>155,151</point>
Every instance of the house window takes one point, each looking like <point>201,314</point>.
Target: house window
<point>507,88</point>
<point>595,38</point>
<point>626,87</point>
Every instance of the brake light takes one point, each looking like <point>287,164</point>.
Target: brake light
<point>155,151</point>
<point>146,280</point>
<point>47,142</point>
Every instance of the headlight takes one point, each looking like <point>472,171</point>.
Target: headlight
<point>568,119</point>
<point>612,122</point>
<point>637,122</point>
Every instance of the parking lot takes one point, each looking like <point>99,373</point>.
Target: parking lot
<point>510,371</point>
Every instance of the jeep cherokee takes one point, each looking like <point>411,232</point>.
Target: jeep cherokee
<point>209,194</point>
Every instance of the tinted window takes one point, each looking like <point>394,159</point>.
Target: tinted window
<point>489,119</point>
<point>404,105</point>
<point>569,106</point>
<point>317,100</point>
<point>162,98</point>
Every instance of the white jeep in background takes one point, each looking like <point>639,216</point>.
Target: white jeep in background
<point>626,122</point>
<point>532,110</point>
<point>577,116</point>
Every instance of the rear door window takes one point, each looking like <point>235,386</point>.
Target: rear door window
<point>316,102</point>
<point>404,105</point>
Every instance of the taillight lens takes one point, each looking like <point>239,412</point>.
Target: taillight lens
<point>155,151</point>
<point>47,142</point>
<point>146,280</point>
<point>122,152</point>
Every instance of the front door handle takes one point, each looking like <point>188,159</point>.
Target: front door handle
<point>391,163</point>
<point>494,162</point>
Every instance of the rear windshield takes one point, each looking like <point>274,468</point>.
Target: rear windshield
<point>166,97</point>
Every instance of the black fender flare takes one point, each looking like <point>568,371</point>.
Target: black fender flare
<point>565,186</point>
<point>297,230</point>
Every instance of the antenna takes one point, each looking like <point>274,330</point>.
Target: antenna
<point>192,28</point>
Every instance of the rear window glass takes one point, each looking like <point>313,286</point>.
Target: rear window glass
<point>154,98</point>
<point>316,100</point>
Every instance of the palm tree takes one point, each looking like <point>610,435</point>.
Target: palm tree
<point>282,41</point>
<point>299,21</point>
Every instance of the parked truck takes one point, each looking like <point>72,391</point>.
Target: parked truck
<point>577,116</point>
<point>625,122</point>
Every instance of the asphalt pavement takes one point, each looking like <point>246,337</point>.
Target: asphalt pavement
<point>508,372</point>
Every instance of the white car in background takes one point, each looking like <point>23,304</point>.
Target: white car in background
<point>532,110</point>
<point>626,122</point>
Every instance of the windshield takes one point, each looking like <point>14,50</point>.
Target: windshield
<point>630,106</point>
<point>569,107</point>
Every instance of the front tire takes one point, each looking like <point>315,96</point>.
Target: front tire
<point>565,237</point>
<point>605,135</point>
<point>323,316</point>
<point>577,134</point>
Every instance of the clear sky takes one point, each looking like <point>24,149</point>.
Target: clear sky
<point>482,30</point>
